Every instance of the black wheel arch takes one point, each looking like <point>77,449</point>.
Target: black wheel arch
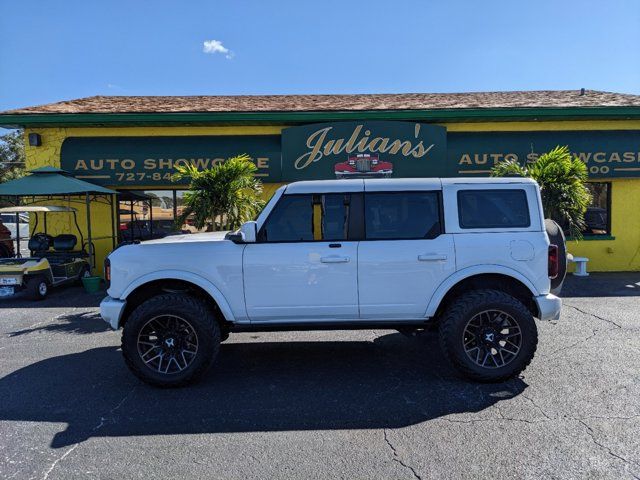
<point>490,281</point>
<point>170,285</point>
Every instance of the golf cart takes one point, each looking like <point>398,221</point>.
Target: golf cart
<point>53,261</point>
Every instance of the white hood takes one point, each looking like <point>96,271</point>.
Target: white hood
<point>189,237</point>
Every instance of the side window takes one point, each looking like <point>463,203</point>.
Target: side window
<point>597,218</point>
<point>402,215</point>
<point>308,218</point>
<point>493,209</point>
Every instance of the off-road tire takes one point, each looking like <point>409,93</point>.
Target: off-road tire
<point>556,237</point>
<point>33,287</point>
<point>224,335</point>
<point>462,310</point>
<point>191,309</point>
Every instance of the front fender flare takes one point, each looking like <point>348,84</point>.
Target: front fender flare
<point>460,275</point>
<point>198,280</point>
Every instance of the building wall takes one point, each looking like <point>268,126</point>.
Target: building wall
<point>621,252</point>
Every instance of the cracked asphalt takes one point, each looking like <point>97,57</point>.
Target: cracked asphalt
<point>357,404</point>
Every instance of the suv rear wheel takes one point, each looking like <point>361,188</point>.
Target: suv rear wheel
<point>170,340</point>
<point>488,335</point>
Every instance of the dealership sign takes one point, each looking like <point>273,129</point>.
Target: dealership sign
<point>607,153</point>
<point>344,150</point>
<point>364,149</point>
<point>151,161</point>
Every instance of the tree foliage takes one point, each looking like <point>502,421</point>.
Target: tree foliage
<point>222,197</point>
<point>562,179</point>
<point>12,155</point>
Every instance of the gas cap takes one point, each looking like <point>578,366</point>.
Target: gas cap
<point>521,250</point>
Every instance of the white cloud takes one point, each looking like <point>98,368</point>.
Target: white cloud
<point>216,46</point>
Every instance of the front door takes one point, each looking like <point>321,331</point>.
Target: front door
<point>405,255</point>
<point>304,265</point>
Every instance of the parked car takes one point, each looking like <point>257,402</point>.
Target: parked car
<point>470,257</point>
<point>9,221</point>
<point>6,244</point>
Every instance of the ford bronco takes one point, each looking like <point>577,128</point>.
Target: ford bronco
<point>470,257</point>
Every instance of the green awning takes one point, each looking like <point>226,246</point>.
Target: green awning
<point>50,181</point>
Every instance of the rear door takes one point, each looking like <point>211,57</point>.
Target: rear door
<point>405,254</point>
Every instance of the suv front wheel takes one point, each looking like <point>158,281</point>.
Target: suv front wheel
<point>170,340</point>
<point>488,335</point>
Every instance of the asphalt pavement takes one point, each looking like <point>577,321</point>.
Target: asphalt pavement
<point>357,404</point>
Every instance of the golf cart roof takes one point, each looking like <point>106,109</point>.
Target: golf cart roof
<point>36,209</point>
<point>50,181</point>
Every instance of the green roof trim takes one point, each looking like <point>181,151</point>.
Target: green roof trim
<point>435,115</point>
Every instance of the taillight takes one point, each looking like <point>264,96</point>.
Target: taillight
<point>123,226</point>
<point>554,261</point>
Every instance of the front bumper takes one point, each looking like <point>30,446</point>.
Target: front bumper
<point>549,307</point>
<point>111,311</point>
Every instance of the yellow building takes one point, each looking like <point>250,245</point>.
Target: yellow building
<point>134,143</point>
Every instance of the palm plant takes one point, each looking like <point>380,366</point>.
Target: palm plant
<point>562,179</point>
<point>222,197</point>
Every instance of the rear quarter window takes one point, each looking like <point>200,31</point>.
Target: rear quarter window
<point>504,208</point>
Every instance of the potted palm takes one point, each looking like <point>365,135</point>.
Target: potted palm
<point>222,197</point>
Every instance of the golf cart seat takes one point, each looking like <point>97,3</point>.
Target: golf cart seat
<point>39,244</point>
<point>64,242</point>
<point>63,248</point>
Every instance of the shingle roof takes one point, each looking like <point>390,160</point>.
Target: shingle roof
<point>319,103</point>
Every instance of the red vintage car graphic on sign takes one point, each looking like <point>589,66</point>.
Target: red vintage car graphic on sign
<point>363,165</point>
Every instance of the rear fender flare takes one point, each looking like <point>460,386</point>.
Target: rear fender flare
<point>460,275</point>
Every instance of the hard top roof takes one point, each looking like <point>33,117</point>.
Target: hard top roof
<point>393,184</point>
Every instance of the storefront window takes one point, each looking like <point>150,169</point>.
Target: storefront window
<point>163,214</point>
<point>598,215</point>
<point>144,215</point>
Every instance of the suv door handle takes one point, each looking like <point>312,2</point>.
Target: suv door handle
<point>432,257</point>
<point>334,259</point>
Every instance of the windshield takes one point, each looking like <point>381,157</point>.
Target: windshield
<point>267,206</point>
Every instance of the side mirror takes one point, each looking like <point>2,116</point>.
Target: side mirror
<point>247,233</point>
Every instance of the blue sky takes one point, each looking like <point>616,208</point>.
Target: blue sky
<point>55,50</point>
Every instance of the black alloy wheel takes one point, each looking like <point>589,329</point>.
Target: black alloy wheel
<point>492,339</point>
<point>167,344</point>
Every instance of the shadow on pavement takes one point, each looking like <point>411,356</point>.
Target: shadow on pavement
<point>263,386</point>
<point>77,323</point>
<point>64,296</point>
<point>599,284</point>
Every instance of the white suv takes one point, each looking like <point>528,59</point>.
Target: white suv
<point>471,257</point>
